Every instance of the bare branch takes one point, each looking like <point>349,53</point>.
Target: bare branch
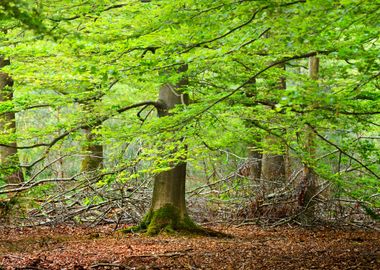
<point>342,151</point>
<point>22,188</point>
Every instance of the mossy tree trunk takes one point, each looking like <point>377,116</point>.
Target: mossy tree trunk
<point>168,209</point>
<point>9,161</point>
<point>93,151</point>
<point>169,186</point>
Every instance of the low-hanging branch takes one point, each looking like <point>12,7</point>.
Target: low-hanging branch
<point>342,151</point>
<point>157,104</point>
<point>37,106</point>
<point>36,183</point>
<point>85,100</point>
<point>12,188</point>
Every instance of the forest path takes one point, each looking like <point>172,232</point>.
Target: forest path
<point>251,247</point>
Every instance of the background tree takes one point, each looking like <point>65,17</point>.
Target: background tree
<point>308,188</point>
<point>9,162</point>
<point>273,169</point>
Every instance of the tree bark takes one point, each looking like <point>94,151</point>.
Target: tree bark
<point>255,164</point>
<point>9,161</point>
<point>169,186</point>
<point>308,187</point>
<point>254,155</point>
<point>168,209</point>
<point>93,151</point>
<point>273,169</point>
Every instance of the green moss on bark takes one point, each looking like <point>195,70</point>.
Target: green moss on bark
<point>167,219</point>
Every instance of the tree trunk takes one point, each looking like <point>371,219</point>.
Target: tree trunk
<point>308,186</point>
<point>168,209</point>
<point>169,186</point>
<point>255,164</point>
<point>254,155</point>
<point>273,169</point>
<point>9,161</point>
<point>93,151</point>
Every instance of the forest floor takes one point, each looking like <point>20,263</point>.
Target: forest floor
<point>248,247</point>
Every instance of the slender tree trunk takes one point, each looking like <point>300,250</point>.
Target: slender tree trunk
<point>9,161</point>
<point>255,164</point>
<point>273,169</point>
<point>93,151</point>
<point>254,154</point>
<point>308,187</point>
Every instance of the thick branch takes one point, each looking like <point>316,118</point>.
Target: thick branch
<point>158,105</point>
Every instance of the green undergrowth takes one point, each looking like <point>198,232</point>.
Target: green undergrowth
<point>167,220</point>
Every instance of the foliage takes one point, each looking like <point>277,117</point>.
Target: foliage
<point>96,64</point>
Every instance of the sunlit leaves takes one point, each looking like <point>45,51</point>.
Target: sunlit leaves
<point>109,54</point>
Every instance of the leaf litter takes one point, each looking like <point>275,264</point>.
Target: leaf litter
<point>248,247</point>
